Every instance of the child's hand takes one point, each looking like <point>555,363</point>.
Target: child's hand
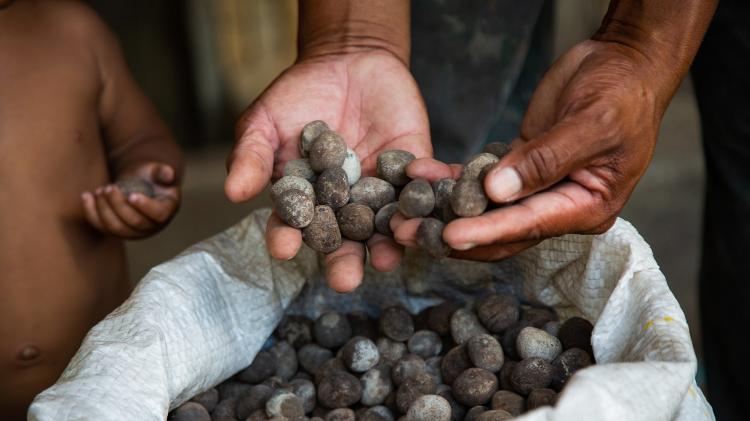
<point>134,215</point>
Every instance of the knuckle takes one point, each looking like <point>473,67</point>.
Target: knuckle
<point>541,164</point>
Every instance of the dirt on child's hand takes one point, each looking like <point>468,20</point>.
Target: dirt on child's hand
<point>139,204</point>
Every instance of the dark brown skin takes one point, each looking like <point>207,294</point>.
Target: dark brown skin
<point>72,120</point>
<point>587,136</point>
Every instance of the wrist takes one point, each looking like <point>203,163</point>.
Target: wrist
<point>352,38</point>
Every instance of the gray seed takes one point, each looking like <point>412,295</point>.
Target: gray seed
<point>552,327</point>
<point>468,198</point>
<point>396,323</point>
<point>360,354</point>
<point>430,238</point>
<point>262,367</point>
<point>286,360</point>
<point>474,413</point>
<point>494,415</point>
<point>538,317</point>
<point>332,330</point>
<point>341,414</point>
<point>327,151</point>
<point>300,168</point>
<point>425,343</point>
<point>541,397</point>
<point>310,132</point>
<point>474,386</point>
<point>285,404</point>
<point>383,218</point>
<point>352,167</point>
<point>312,356</point>
<point>416,199</point>
<point>207,399</point>
<point>134,185</point>
<point>190,411</point>
<point>274,382</point>
<point>392,165</point>
<point>509,339</point>
<point>295,208</point>
<point>464,325</point>
<point>376,385</point>
<point>485,352</point>
<point>377,413</point>
<point>509,401</point>
<point>533,342</point>
<point>259,415</point>
<point>412,388</point>
<point>323,233</point>
<point>499,149</point>
<point>305,391</point>
<point>356,221</point>
<point>407,367</point>
<point>232,389</point>
<point>332,188</point>
<point>390,351</point>
<point>225,410</point>
<point>432,367</point>
<point>291,182</point>
<point>455,362</point>
<point>372,192</point>
<point>443,189</point>
<point>297,330</point>
<point>429,408</point>
<point>478,165</point>
<point>457,410</point>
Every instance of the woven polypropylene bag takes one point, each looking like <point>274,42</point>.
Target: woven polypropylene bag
<point>201,317</point>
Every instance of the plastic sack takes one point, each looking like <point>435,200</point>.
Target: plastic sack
<point>201,317</point>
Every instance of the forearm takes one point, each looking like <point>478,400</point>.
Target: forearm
<point>342,26</point>
<point>667,33</point>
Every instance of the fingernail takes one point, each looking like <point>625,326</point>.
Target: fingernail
<point>505,184</point>
<point>133,198</point>
<point>108,189</point>
<point>464,246</point>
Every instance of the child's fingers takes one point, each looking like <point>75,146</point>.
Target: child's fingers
<point>159,209</point>
<point>110,221</point>
<point>283,241</point>
<point>127,213</point>
<point>90,212</point>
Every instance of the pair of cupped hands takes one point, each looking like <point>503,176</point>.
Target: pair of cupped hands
<point>586,139</point>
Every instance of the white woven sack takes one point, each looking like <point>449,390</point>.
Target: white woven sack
<point>201,317</point>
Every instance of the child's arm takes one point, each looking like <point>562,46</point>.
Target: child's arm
<point>138,145</point>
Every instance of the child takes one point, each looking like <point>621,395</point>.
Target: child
<point>72,121</point>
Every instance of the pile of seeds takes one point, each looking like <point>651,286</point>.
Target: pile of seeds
<point>324,194</point>
<point>490,362</point>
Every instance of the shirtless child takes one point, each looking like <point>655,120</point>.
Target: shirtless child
<point>72,121</point>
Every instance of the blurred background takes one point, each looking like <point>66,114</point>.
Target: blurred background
<point>202,63</point>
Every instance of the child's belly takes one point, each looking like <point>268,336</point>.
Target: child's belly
<point>59,278</point>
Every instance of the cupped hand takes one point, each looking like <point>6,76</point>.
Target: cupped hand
<point>371,99</point>
<point>586,139</point>
<point>135,215</point>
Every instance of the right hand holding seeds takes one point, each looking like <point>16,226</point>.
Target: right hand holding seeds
<point>372,103</point>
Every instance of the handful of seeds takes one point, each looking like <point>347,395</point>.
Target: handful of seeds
<point>491,361</point>
<point>324,194</point>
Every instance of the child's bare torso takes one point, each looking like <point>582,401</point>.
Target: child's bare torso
<point>58,275</point>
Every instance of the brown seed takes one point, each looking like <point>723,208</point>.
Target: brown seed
<point>328,150</point>
<point>392,165</point>
<point>416,199</point>
<point>295,208</point>
<point>356,221</point>
<point>312,356</point>
<point>457,410</point>
<point>478,164</point>
<point>430,238</point>
<point>256,399</point>
<point>499,149</point>
<point>443,189</point>
<point>566,364</point>
<point>541,397</point>
<point>439,317</point>
<point>396,323</point>
<point>538,317</point>
<point>530,374</point>
<point>429,408</point>
<point>505,373</point>
<point>372,192</point>
<point>509,339</point>
<point>464,325</point>
<point>390,351</point>
<point>576,333</point>
<point>262,367</point>
<point>332,188</point>
<point>297,330</point>
<point>208,399</point>
<point>339,389</point>
<point>455,362</point>
<point>327,368</point>
<point>341,414</point>
<point>225,410</point>
<point>363,325</point>
<point>309,133</point>
<point>412,388</point>
<point>508,401</point>
<point>474,386</point>
<point>468,198</point>
<point>190,411</point>
<point>498,312</point>
<point>474,413</point>
<point>135,185</point>
<point>285,404</point>
<point>494,415</point>
<point>407,367</point>
<point>383,218</point>
<point>232,389</point>
<point>323,233</point>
